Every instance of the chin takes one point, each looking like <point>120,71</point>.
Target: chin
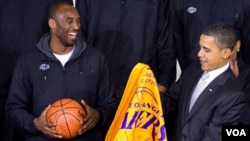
<point>70,44</point>
<point>204,68</point>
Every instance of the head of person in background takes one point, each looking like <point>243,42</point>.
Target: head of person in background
<point>216,45</point>
<point>235,56</point>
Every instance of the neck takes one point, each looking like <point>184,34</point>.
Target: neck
<point>59,48</point>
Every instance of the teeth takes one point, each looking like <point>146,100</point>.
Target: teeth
<point>73,34</point>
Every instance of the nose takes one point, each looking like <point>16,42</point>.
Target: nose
<point>199,54</point>
<point>76,25</point>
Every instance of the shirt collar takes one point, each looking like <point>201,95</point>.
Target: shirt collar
<point>214,73</point>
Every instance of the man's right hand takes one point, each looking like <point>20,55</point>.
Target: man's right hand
<point>45,127</point>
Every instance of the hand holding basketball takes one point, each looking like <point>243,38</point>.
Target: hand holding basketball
<point>44,126</point>
<point>68,116</point>
<point>91,118</point>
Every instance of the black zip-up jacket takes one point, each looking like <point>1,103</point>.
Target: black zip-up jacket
<point>130,31</point>
<point>22,23</point>
<point>39,79</point>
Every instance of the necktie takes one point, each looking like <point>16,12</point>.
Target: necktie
<point>198,89</point>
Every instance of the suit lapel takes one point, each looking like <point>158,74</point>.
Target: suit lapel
<point>209,91</point>
<point>188,93</point>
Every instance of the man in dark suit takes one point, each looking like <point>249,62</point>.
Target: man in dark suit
<point>221,99</point>
<point>190,17</point>
<point>242,71</point>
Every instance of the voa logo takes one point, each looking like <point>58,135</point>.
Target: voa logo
<point>236,132</point>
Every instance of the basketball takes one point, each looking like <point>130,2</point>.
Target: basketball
<point>67,114</point>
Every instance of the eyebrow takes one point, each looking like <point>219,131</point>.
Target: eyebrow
<point>70,18</point>
<point>206,48</point>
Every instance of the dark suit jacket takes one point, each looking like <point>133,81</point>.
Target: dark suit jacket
<point>244,78</point>
<point>220,103</point>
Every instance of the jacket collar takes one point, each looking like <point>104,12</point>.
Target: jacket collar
<point>43,46</point>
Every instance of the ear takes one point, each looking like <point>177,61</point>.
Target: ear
<point>227,52</point>
<point>52,23</point>
<point>237,45</point>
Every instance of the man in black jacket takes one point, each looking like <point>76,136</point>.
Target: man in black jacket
<point>22,23</point>
<point>128,32</point>
<point>62,66</point>
<point>242,71</point>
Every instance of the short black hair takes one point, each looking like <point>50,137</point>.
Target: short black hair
<point>225,35</point>
<point>54,8</point>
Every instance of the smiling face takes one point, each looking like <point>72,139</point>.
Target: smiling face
<point>65,26</point>
<point>211,55</point>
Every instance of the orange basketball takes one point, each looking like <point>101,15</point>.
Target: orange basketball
<point>67,114</point>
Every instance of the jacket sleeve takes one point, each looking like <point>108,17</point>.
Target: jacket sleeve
<point>83,6</point>
<point>227,113</point>
<point>166,57</point>
<point>246,110</point>
<point>107,102</point>
<point>176,23</point>
<point>18,105</point>
<point>244,78</point>
<point>245,38</point>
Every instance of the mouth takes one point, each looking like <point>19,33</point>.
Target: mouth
<point>73,35</point>
<point>202,62</point>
